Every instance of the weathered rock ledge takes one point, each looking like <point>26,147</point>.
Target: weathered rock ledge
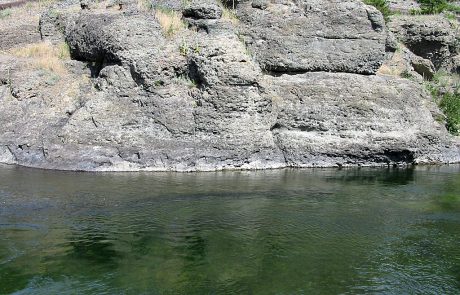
<point>284,84</point>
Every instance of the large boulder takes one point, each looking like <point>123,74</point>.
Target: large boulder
<point>432,37</point>
<point>110,37</point>
<point>53,23</point>
<point>326,119</point>
<point>134,41</point>
<point>404,63</point>
<point>203,10</point>
<point>314,35</point>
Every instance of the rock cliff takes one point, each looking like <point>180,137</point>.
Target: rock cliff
<point>194,86</point>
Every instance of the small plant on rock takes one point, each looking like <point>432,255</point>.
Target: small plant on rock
<point>145,5</point>
<point>382,6</point>
<point>184,48</point>
<point>432,6</point>
<point>52,79</point>
<point>170,21</point>
<point>5,13</point>
<point>407,75</point>
<point>445,88</point>
<point>186,81</point>
<point>450,105</point>
<point>63,51</point>
<point>435,7</point>
<point>229,12</point>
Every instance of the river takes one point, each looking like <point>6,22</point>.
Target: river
<point>312,231</point>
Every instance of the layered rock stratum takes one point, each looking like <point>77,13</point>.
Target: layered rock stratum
<point>276,84</point>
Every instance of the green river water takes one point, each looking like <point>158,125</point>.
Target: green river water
<point>317,231</point>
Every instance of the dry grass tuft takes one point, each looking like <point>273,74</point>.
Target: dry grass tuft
<point>63,51</point>
<point>230,15</point>
<point>43,49</point>
<point>144,5</point>
<point>45,56</point>
<point>52,64</point>
<point>389,71</point>
<point>170,21</point>
<point>26,14</point>
<point>229,12</point>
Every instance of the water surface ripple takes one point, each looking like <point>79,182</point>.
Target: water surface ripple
<point>317,231</point>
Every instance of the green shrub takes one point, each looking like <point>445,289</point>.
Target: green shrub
<point>415,12</point>
<point>450,105</point>
<point>170,21</point>
<point>445,89</point>
<point>406,75</point>
<point>453,8</point>
<point>433,6</point>
<point>5,13</point>
<point>382,6</point>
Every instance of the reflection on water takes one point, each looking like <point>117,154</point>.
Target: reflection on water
<point>357,231</point>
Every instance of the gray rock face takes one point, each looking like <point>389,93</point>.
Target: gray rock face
<point>290,121</point>
<point>456,64</point>
<point>261,4</point>
<point>177,5</point>
<point>103,37</point>
<point>201,101</point>
<point>203,10</point>
<point>53,23</point>
<point>322,122</point>
<point>404,63</point>
<point>17,36</point>
<point>314,35</point>
<point>107,39</point>
<point>404,6</point>
<point>423,66</point>
<point>430,36</point>
<point>6,156</point>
